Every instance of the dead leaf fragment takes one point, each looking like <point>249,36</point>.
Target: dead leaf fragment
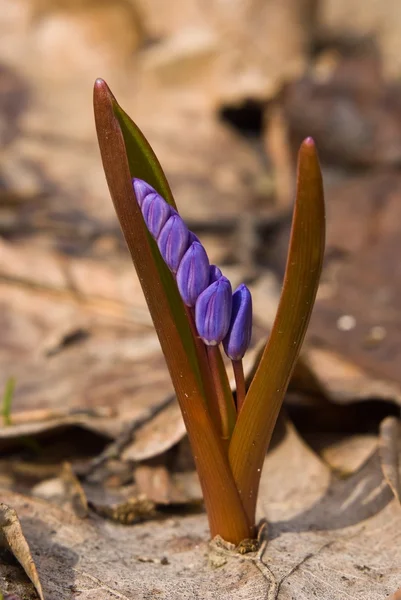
<point>134,510</point>
<point>75,491</point>
<point>344,454</point>
<point>390,450</point>
<point>11,533</point>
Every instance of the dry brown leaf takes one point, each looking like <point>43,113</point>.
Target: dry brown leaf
<point>101,381</point>
<point>361,257</point>
<point>15,541</point>
<point>365,124</point>
<point>390,452</point>
<point>156,437</point>
<point>328,538</point>
<point>345,454</point>
<point>336,377</point>
<point>163,487</point>
<point>130,512</point>
<point>365,18</point>
<point>74,491</point>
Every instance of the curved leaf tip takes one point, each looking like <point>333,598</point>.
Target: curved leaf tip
<point>309,142</point>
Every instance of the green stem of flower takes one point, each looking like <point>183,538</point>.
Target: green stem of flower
<point>238,369</point>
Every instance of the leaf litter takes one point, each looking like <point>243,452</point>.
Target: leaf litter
<point>313,519</point>
<point>70,304</point>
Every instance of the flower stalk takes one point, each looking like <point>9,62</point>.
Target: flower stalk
<point>195,313</point>
<point>238,369</point>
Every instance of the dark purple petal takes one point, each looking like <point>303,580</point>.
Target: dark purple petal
<point>141,190</point>
<point>213,311</point>
<point>193,273</point>
<point>173,241</point>
<point>239,334</point>
<point>214,274</point>
<point>155,211</point>
<point>193,238</point>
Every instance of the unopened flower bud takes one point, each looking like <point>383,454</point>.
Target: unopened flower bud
<point>193,238</point>
<point>155,212</point>
<point>239,334</point>
<point>214,274</point>
<point>141,190</point>
<point>173,241</point>
<point>213,311</point>
<point>193,273</point>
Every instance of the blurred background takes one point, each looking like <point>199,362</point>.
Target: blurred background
<point>225,91</point>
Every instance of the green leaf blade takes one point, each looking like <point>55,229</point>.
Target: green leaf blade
<point>259,413</point>
<point>126,154</point>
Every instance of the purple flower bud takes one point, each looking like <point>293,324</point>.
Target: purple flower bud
<point>239,334</point>
<point>193,238</point>
<point>214,274</point>
<point>193,273</point>
<point>155,211</point>
<point>173,241</point>
<point>213,311</point>
<point>141,190</point>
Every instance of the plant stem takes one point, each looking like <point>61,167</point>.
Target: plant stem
<point>213,356</point>
<point>207,378</point>
<point>238,369</point>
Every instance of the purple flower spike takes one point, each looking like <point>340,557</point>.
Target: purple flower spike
<point>213,312</point>
<point>173,241</point>
<point>239,334</point>
<point>141,190</point>
<point>193,273</point>
<point>214,274</point>
<point>155,211</point>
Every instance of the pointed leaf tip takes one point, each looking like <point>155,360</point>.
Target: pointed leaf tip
<point>308,152</point>
<point>101,91</point>
<point>101,87</point>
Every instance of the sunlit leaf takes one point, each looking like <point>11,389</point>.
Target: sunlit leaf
<point>258,416</point>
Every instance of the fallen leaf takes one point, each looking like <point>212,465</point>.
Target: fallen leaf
<point>390,452</point>
<point>365,119</point>
<point>363,19</point>
<point>74,491</point>
<point>340,379</point>
<point>327,537</point>
<point>12,535</point>
<point>165,488</point>
<point>361,264</point>
<point>158,435</point>
<point>345,454</point>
